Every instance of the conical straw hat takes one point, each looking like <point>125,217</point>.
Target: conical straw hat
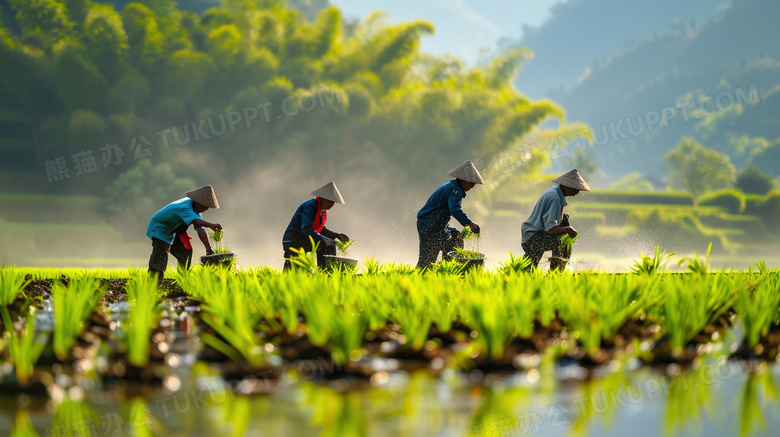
<point>467,172</point>
<point>330,192</point>
<point>572,179</point>
<point>205,196</point>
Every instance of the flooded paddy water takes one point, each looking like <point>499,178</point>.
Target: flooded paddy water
<point>186,396</point>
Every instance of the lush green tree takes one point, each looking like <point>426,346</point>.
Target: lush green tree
<point>106,41</point>
<point>142,190</point>
<point>77,10</point>
<point>697,169</point>
<point>43,22</point>
<point>145,41</point>
<point>752,180</point>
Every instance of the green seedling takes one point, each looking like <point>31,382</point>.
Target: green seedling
<point>648,265</point>
<point>73,303</point>
<point>142,292</point>
<point>343,246</point>
<point>516,264</point>
<point>216,237</point>
<point>696,265</point>
<point>24,346</point>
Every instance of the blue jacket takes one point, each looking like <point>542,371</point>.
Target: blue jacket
<point>443,204</point>
<point>301,225</point>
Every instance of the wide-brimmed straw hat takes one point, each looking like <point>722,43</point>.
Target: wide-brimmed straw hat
<point>572,179</point>
<point>330,192</point>
<point>205,196</point>
<point>467,172</point>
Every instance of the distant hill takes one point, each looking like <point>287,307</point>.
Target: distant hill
<point>737,50</point>
<point>581,31</point>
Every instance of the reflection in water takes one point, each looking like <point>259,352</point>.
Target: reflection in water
<point>73,417</point>
<point>22,425</point>
<point>689,394</point>
<point>750,414</point>
<point>640,403</point>
<point>601,399</point>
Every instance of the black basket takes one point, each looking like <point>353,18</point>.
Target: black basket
<point>333,262</point>
<point>227,259</point>
<point>470,263</point>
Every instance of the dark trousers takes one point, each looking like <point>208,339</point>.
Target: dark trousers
<point>541,242</point>
<point>322,250</point>
<point>158,262</point>
<point>435,240</point>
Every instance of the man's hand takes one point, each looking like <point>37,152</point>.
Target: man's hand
<point>328,241</point>
<point>343,238</point>
<point>571,231</point>
<point>216,227</point>
<point>474,227</point>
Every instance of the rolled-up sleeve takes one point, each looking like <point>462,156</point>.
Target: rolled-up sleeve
<point>456,210</point>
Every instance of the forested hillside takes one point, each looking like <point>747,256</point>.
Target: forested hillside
<point>682,64</point>
<point>160,82</point>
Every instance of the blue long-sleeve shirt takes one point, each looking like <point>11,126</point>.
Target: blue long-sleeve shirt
<point>443,204</point>
<point>301,226</point>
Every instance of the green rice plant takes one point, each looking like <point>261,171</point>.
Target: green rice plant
<point>690,304</point>
<point>73,303</point>
<point>468,254</point>
<point>307,261</point>
<point>567,243</point>
<point>343,246</point>
<point>144,315</point>
<point>25,347</point>
<point>516,264</point>
<point>696,265</point>
<point>485,311</point>
<point>227,309</point>
<point>411,313</point>
<point>758,305</point>
<point>447,267</point>
<point>522,304</point>
<point>12,283</point>
<point>371,266</point>
<point>347,332</point>
<point>651,265</point>
<point>216,237</point>
<point>398,268</point>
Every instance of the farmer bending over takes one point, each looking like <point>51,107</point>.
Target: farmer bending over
<point>547,224</point>
<point>168,229</point>
<point>309,221</point>
<point>433,218</point>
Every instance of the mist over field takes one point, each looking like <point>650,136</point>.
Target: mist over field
<point>111,110</point>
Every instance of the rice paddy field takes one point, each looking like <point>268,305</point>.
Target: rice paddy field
<point>390,351</point>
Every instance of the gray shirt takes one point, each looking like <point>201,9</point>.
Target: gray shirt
<point>547,213</point>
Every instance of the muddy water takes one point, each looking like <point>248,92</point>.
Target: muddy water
<point>718,398</point>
